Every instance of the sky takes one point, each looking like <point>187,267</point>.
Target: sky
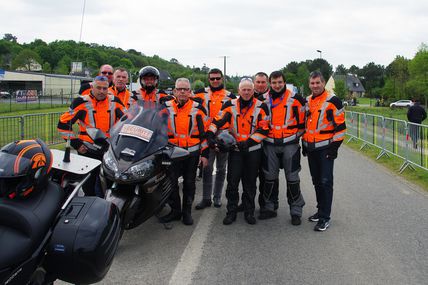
<point>254,35</point>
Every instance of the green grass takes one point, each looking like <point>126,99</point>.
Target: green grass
<point>15,109</point>
<point>400,114</point>
<point>418,177</point>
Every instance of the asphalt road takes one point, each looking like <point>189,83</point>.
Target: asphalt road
<point>378,235</point>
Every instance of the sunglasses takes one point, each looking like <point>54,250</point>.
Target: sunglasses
<point>101,78</point>
<point>106,72</point>
<point>215,78</point>
<point>182,89</point>
<point>246,79</point>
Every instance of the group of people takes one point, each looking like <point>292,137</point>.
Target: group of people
<point>266,122</point>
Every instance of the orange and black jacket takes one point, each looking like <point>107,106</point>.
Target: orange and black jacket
<point>186,127</point>
<point>89,112</point>
<point>248,124</point>
<point>325,123</point>
<point>287,118</point>
<point>155,96</point>
<point>124,95</point>
<point>212,102</point>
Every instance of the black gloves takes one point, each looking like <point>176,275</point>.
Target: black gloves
<point>210,139</point>
<point>332,150</point>
<point>243,146</point>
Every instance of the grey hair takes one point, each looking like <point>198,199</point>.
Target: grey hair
<point>246,80</point>
<point>182,79</point>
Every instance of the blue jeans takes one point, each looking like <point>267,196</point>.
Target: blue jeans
<point>321,169</point>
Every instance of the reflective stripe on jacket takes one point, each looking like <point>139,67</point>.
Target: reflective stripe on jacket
<point>325,121</point>
<point>287,118</point>
<point>250,123</point>
<point>186,125</point>
<point>89,112</point>
<point>213,102</point>
<point>154,96</point>
<point>124,95</point>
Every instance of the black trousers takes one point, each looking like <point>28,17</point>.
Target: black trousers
<point>321,169</point>
<point>186,168</point>
<point>242,167</point>
<point>92,186</point>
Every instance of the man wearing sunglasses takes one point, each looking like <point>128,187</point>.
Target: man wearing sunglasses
<point>213,98</point>
<point>97,110</point>
<point>106,70</point>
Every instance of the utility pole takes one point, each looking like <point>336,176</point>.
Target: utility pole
<point>320,51</point>
<point>224,68</point>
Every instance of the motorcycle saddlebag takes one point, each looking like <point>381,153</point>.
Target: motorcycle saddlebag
<point>84,241</point>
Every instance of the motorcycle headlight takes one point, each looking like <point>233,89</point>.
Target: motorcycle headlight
<point>110,162</point>
<point>139,171</point>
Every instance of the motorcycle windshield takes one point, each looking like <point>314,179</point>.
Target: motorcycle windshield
<point>141,132</point>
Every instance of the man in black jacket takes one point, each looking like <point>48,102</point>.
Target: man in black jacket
<point>416,114</point>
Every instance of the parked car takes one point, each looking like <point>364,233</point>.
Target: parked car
<point>401,103</point>
<point>4,94</point>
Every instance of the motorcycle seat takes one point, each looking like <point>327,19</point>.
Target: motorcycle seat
<point>25,223</point>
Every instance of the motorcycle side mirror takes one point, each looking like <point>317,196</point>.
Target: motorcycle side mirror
<point>98,136</point>
<point>176,153</point>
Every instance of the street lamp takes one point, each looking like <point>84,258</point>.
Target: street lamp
<point>320,51</point>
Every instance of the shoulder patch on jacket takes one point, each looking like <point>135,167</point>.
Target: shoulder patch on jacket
<point>336,102</point>
<point>77,101</point>
<point>300,99</point>
<point>200,90</point>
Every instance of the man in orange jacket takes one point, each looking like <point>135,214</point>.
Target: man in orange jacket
<point>212,99</point>
<point>281,147</point>
<point>120,79</point>
<point>105,70</point>
<point>186,129</point>
<point>97,110</point>
<point>149,81</point>
<point>325,131</point>
<point>247,118</point>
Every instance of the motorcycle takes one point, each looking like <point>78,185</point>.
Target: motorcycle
<point>134,172</point>
<point>55,234</point>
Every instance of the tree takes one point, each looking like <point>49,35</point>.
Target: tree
<point>340,89</point>
<point>417,86</point>
<point>354,70</point>
<point>26,59</point>
<point>398,72</point>
<point>341,70</point>
<point>10,38</point>
<point>372,76</point>
<point>322,65</point>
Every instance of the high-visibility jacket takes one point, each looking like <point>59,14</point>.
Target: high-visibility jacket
<point>325,121</point>
<point>213,101</point>
<point>153,96</point>
<point>124,95</point>
<point>186,126</point>
<point>89,112</point>
<point>287,118</point>
<point>249,124</point>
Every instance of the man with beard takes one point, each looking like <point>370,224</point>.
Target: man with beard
<point>149,81</point>
<point>281,147</point>
<point>213,98</point>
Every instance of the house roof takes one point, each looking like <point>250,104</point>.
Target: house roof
<point>353,83</point>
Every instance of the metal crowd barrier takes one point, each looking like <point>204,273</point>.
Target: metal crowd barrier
<point>43,126</point>
<point>408,141</point>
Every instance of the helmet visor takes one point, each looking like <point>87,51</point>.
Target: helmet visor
<point>13,166</point>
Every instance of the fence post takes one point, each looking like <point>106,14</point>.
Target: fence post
<point>352,121</point>
<point>62,96</point>
<point>406,162</point>
<point>383,151</point>
<point>22,127</point>
<point>365,144</point>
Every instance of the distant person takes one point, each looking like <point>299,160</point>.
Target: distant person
<point>106,70</point>
<point>416,114</point>
<point>120,79</point>
<point>325,131</point>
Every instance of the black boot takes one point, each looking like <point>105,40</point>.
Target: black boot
<point>203,204</point>
<point>174,215</point>
<point>230,218</point>
<point>249,217</point>
<point>187,212</point>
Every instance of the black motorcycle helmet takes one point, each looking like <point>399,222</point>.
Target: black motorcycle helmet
<point>225,141</point>
<point>149,70</point>
<point>24,168</point>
